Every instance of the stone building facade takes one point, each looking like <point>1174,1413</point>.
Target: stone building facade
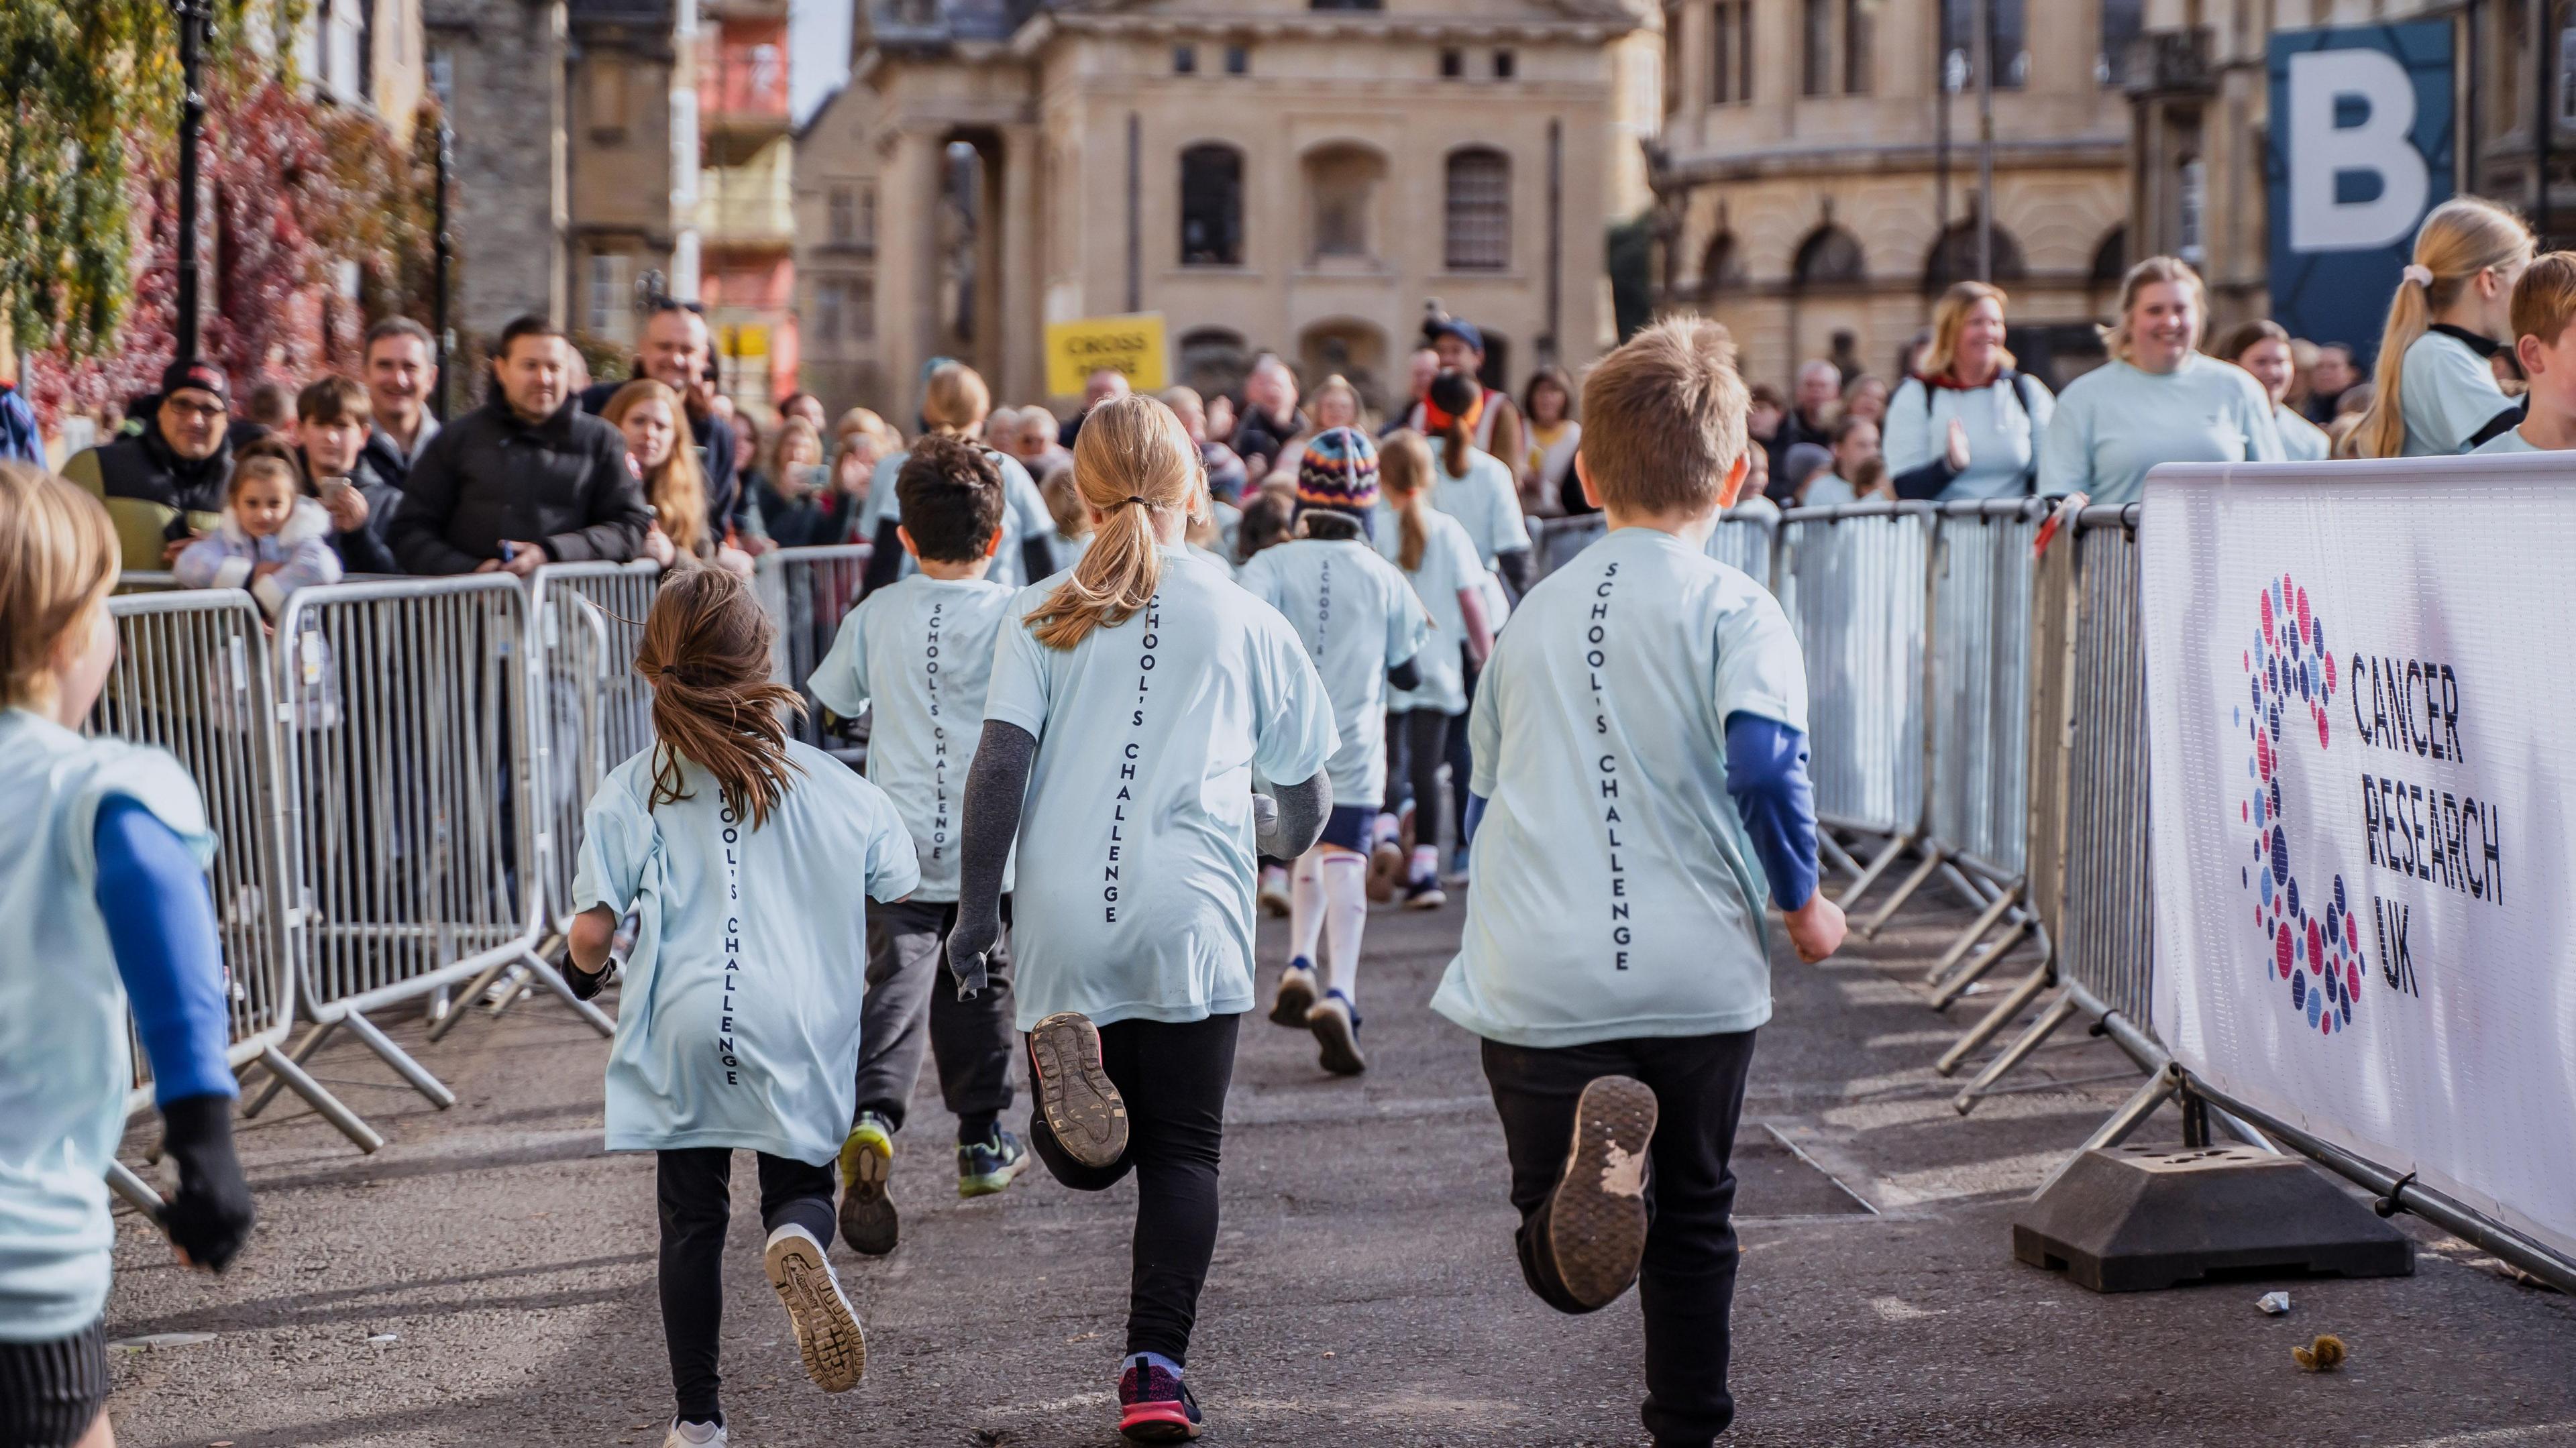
<point>1817,180</point>
<point>1267,174</point>
<point>499,67</point>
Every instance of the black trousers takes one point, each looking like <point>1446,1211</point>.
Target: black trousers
<point>1686,1284</point>
<point>50,1392</point>
<point>695,1184</point>
<point>1173,1077</point>
<point>912,1002</point>
<point>1417,740</point>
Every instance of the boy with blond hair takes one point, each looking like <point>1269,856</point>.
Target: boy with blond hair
<point>1615,958</point>
<point>2544,342</point>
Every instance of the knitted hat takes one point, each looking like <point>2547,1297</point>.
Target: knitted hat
<point>1339,472</point>
<point>194,374</point>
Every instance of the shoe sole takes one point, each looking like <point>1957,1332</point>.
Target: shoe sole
<point>1296,998</point>
<point>1427,900</point>
<point>827,1331</point>
<point>1159,1430</point>
<point>1075,1095</point>
<point>869,1222</point>
<point>1597,1223</point>
<point>1341,1044</point>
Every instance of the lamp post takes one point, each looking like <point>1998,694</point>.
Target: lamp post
<point>193,16</point>
<point>442,251</point>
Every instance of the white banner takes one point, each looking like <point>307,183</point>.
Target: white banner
<point>2361,685</point>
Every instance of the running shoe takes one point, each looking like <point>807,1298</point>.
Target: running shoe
<point>868,1221</point>
<point>1337,1030</point>
<point>694,1435</point>
<point>1386,869</point>
<point>1274,891</point>
<point>1081,1106</point>
<point>985,1167</point>
<point>827,1330</point>
<point>1296,994</point>
<point>1155,1406</point>
<point>1425,894</point>
<point>1596,1225</point>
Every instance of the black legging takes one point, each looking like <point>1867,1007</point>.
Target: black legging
<point>1416,741</point>
<point>1173,1078</point>
<point>695,1184</point>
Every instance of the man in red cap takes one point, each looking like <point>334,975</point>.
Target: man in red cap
<point>165,484</point>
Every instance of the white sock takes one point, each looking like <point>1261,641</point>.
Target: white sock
<point>1305,905</point>
<point>1389,830</point>
<point>1345,887</point>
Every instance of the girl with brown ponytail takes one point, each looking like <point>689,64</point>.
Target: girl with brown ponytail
<point>1474,486</point>
<point>748,860</point>
<point>1439,560</point>
<point>1131,708</point>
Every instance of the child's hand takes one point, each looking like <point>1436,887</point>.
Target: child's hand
<point>968,945</point>
<point>1816,928</point>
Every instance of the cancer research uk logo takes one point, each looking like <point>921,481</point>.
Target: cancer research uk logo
<point>2315,952</point>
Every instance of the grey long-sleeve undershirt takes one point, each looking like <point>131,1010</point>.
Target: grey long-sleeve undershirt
<point>1286,824</point>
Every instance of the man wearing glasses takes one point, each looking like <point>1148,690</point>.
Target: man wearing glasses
<point>165,485</point>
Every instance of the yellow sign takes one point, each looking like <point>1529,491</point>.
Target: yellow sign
<point>1131,344</point>
<point>749,339</point>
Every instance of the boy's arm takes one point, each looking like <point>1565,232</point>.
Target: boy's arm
<point>1766,773</point>
<point>997,788</point>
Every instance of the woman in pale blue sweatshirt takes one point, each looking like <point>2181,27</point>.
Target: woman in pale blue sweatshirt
<point>1967,425</point>
<point>2157,400</point>
<point>2437,393</point>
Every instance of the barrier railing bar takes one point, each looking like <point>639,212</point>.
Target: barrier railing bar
<point>2005,1012</point>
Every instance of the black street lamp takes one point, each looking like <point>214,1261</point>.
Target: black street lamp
<point>194,16</point>
<point>443,248</point>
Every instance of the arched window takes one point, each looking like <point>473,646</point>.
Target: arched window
<point>1478,233</point>
<point>1341,201</point>
<point>1830,256</point>
<point>1721,267</point>
<point>1954,257</point>
<point>1211,206</point>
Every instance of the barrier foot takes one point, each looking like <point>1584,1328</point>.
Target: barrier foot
<point>137,1192</point>
<point>1998,1018</point>
<point>302,1053</point>
<point>2136,1220</point>
<point>2040,1030</point>
<point>600,1020</point>
<point>291,1075</point>
<point>404,1066</point>
<point>1932,859</point>
<point>471,993</point>
<point>1958,985</point>
<point>1878,866</point>
<point>1976,931</point>
<point>1835,855</point>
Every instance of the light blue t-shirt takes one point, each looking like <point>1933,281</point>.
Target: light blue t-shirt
<point>2447,394</point>
<point>920,652</point>
<point>2117,421</point>
<point>1448,566</point>
<point>1482,499</point>
<point>2510,440</point>
<point>2302,441</point>
<point>1135,897</point>
<point>738,1025</point>
<point>2003,434</point>
<point>1827,489</point>
<point>1024,513</point>
<point>65,1057</point>
<point>1616,890</point>
<point>1358,618</point>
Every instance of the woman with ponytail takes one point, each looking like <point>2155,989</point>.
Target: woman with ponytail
<point>1133,702</point>
<point>748,860</point>
<point>2437,393</point>
<point>955,403</point>
<point>1472,485</point>
<point>1439,560</point>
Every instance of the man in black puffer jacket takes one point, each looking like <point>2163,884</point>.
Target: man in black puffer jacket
<point>526,479</point>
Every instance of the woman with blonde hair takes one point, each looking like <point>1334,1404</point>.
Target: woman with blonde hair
<point>655,426</point>
<point>2453,312</point>
<point>1334,403</point>
<point>859,439</point>
<point>1132,706</point>
<point>791,492</point>
<point>2158,400</point>
<point>1967,423</point>
<point>956,403</point>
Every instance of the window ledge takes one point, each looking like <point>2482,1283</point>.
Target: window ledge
<point>1211,272</point>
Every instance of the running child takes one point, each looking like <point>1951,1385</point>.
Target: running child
<point>1439,560</point>
<point>919,652</point>
<point>103,902</point>
<point>1131,703</point>
<point>748,859</point>
<point>1363,627</point>
<point>1614,958</point>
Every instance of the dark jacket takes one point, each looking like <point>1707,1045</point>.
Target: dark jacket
<point>563,484</point>
<point>729,501</point>
<point>369,549</point>
<point>1259,437</point>
<point>153,495</point>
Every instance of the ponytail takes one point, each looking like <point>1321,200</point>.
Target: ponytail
<point>706,654</point>
<point>1451,407</point>
<point>2461,239</point>
<point>1132,462</point>
<point>1404,475</point>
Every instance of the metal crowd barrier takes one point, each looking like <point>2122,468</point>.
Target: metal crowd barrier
<point>413,755</point>
<point>807,591</point>
<point>1744,537</point>
<point>595,711</point>
<point>1853,582</point>
<point>192,676</point>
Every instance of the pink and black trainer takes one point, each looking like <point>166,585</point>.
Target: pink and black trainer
<point>1154,1405</point>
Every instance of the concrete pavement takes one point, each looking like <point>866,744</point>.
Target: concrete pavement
<point>488,1277</point>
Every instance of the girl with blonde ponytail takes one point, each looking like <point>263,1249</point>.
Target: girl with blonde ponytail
<point>1428,722</point>
<point>2436,390</point>
<point>1133,703</point>
<point>956,403</point>
<point>748,860</point>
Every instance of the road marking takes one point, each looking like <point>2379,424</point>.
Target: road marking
<point>2484,1437</point>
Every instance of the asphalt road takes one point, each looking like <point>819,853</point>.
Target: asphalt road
<point>488,1277</point>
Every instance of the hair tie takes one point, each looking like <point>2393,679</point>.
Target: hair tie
<point>1138,501</point>
<point>2417,273</point>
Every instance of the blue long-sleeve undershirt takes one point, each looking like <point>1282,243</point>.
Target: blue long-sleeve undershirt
<point>161,924</point>
<point>1766,774</point>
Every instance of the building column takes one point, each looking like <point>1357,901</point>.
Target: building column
<point>1020,313</point>
<point>907,277</point>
